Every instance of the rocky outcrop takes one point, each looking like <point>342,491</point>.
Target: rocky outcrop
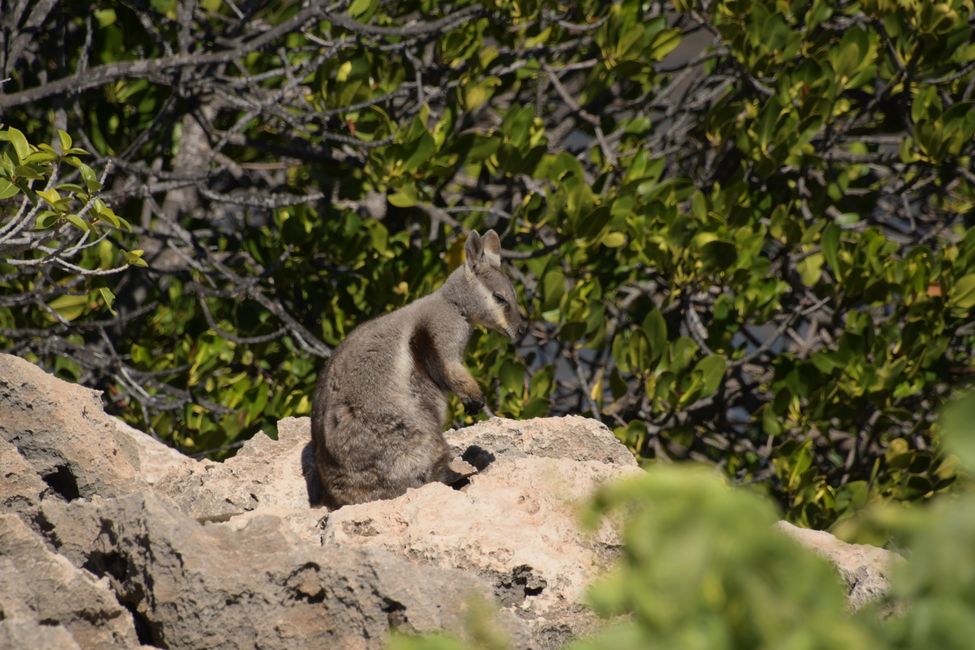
<point>62,431</point>
<point>862,567</point>
<point>111,539</point>
<point>249,584</point>
<point>191,554</point>
<point>515,524</point>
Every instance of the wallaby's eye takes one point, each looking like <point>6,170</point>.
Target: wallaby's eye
<point>498,298</point>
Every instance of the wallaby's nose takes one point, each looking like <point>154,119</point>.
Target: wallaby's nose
<point>522,329</point>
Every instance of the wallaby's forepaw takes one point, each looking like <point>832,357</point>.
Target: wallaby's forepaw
<point>473,407</point>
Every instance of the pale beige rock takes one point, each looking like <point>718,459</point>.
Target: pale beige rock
<point>21,489</point>
<point>38,586</point>
<point>31,634</point>
<point>864,568</point>
<point>519,512</point>
<point>571,436</point>
<point>515,524</point>
<point>266,475</point>
<point>63,432</point>
<point>252,585</point>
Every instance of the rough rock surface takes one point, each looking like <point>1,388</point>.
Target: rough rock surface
<point>21,489</point>
<point>110,539</point>
<point>515,524</point>
<point>26,633</point>
<point>38,586</point>
<point>864,568</point>
<point>70,442</point>
<point>254,585</point>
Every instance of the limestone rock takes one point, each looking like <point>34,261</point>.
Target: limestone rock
<point>219,586</point>
<point>515,523</point>
<point>21,489</point>
<point>63,432</point>
<point>33,635</point>
<point>571,436</point>
<point>41,588</point>
<point>266,475</point>
<point>863,568</point>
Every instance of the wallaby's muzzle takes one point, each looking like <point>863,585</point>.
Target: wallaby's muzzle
<point>516,330</point>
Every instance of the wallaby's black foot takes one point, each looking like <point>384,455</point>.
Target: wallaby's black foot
<point>473,407</point>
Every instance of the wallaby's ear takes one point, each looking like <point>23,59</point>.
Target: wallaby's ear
<point>492,249</point>
<point>473,250</point>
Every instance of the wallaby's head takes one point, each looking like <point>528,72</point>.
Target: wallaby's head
<point>491,301</point>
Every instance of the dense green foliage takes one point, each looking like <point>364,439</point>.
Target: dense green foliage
<point>63,236</point>
<point>742,227</point>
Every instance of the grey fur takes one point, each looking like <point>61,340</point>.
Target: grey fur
<point>379,407</point>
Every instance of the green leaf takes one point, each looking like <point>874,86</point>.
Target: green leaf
<point>619,353</point>
<point>553,288</point>
<point>50,195</point>
<point>134,257</point>
<point>69,307</point>
<point>513,376</point>
<point>926,102</point>
<point>40,157</point>
<point>830,243</point>
<point>811,268</point>
<point>29,172</point>
<point>108,297</point>
<point>712,369</point>
<point>639,350</point>
<point>681,352</point>
<point>613,239</point>
<point>475,95</point>
<point>404,197</point>
<point>7,189</point>
<point>765,126</point>
<point>656,330</point>
<point>958,421</point>
<point>105,213</point>
<point>847,219</point>
<point>105,17</point>
<point>19,142</point>
<point>87,174</point>
<point>423,148</point>
<point>360,7</point>
<point>719,254</point>
<point>64,137</point>
<point>517,124</point>
<point>963,293</point>
<point>482,148</point>
<point>78,222</point>
<point>664,43</point>
<point>46,219</point>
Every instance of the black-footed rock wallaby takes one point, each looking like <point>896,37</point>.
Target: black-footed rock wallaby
<point>380,404</point>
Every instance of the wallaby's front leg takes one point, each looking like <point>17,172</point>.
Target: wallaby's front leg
<point>462,384</point>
